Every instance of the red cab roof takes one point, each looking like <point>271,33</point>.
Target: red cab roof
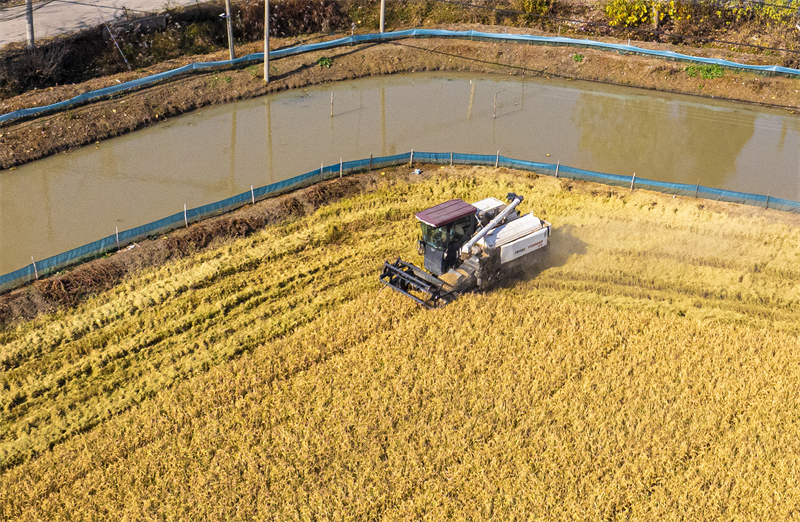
<point>446,212</point>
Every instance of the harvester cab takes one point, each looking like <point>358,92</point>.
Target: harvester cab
<point>445,228</point>
<point>466,247</point>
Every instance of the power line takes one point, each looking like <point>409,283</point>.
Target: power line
<point>102,6</point>
<point>702,39</point>
<point>781,6</point>
<point>45,3</point>
<point>111,34</point>
<point>545,72</point>
<point>35,8</point>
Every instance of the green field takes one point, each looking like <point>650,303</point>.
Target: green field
<point>649,370</point>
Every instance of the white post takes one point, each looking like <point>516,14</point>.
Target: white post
<point>117,228</point>
<point>451,159</point>
<point>558,164</point>
<point>230,28</point>
<point>36,272</point>
<point>266,41</point>
<point>185,219</point>
<point>497,159</point>
<point>29,27</point>
<point>383,15</point>
<point>412,158</point>
<point>633,180</point>
<point>331,104</point>
<point>494,113</point>
<point>321,166</point>
<point>340,167</point>
<point>252,195</point>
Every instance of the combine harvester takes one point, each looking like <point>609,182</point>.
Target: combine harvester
<point>468,247</point>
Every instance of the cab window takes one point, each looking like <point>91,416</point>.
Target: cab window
<point>435,237</point>
<point>460,229</point>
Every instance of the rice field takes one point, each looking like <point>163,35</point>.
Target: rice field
<point>650,369</point>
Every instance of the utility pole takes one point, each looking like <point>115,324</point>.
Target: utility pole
<point>383,15</point>
<point>230,28</point>
<point>29,17</point>
<point>266,41</point>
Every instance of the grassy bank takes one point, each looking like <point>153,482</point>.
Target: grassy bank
<point>648,369</point>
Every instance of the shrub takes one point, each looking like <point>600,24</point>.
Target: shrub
<point>627,13</point>
<point>706,72</point>
<point>533,9</point>
<point>770,13</point>
<point>30,69</point>
<point>290,18</point>
<point>632,13</point>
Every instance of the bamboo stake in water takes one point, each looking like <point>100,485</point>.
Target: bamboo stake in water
<point>331,104</point>
<point>494,113</point>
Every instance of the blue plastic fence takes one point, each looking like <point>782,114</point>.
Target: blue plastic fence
<point>396,35</point>
<point>52,264</point>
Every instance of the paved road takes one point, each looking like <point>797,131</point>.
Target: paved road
<point>54,17</point>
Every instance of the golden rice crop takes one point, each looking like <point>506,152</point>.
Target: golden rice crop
<point>648,370</point>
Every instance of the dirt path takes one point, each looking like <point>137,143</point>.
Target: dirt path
<point>53,18</point>
<point>32,139</point>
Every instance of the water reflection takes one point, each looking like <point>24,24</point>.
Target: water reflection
<point>62,202</point>
<point>268,120</point>
<point>667,141</point>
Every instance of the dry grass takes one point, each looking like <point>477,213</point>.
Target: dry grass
<point>649,371</point>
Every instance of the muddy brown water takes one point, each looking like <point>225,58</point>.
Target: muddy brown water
<point>58,203</point>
